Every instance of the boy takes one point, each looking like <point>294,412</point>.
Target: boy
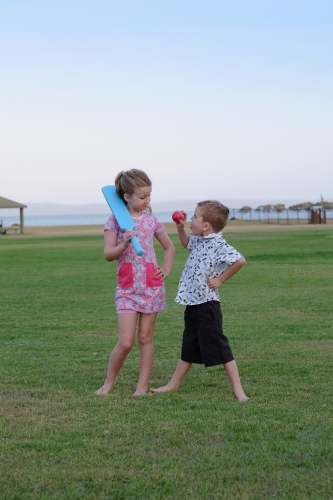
<point>211,262</point>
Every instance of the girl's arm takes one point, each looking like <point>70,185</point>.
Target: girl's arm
<point>169,253</point>
<point>111,250</point>
<point>230,271</point>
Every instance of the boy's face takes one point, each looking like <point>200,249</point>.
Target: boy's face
<point>197,223</point>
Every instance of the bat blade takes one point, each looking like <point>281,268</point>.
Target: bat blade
<point>121,214</point>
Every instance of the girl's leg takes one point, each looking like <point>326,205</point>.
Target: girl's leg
<point>232,372</point>
<point>127,326</point>
<point>146,346</point>
<point>177,378</point>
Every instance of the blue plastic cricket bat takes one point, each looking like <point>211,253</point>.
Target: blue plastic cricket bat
<point>121,213</point>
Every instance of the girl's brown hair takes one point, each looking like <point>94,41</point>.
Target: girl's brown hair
<point>128,181</point>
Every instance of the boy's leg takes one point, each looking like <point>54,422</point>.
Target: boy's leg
<point>190,331</point>
<point>177,378</point>
<point>145,338</point>
<point>232,372</point>
<point>127,327</point>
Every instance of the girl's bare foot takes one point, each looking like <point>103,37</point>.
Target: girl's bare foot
<point>104,390</point>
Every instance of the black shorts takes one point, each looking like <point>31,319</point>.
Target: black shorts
<point>203,339</point>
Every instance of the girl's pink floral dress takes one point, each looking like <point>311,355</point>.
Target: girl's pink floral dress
<point>138,289</point>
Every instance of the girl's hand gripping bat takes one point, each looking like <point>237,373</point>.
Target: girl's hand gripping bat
<point>121,214</point>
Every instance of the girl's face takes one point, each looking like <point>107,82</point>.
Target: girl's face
<point>139,200</point>
<point>197,222</point>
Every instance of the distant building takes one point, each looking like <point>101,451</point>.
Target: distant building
<point>5,203</point>
<point>317,215</point>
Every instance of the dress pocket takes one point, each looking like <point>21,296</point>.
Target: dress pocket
<point>125,275</point>
<point>151,279</point>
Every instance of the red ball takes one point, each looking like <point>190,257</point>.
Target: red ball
<point>178,216</point>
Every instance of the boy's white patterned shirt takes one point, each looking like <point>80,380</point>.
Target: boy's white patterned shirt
<point>209,257</point>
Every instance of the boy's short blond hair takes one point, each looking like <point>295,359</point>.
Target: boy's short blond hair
<point>215,213</point>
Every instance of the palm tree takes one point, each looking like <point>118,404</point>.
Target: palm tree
<point>325,204</point>
<point>302,206</point>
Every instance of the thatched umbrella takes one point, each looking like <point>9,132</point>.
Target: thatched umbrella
<point>245,210</point>
<point>268,208</point>
<point>278,209</point>
<point>259,209</point>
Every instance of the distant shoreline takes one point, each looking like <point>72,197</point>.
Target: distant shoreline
<point>232,227</point>
<point>164,217</point>
<point>44,209</point>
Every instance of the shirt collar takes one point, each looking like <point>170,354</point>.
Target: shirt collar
<point>211,236</point>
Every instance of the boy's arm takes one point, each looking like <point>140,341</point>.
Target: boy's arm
<point>183,236</point>
<point>230,271</point>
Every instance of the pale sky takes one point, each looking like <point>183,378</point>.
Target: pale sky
<point>212,98</point>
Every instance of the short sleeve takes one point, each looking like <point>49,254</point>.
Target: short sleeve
<point>111,225</point>
<point>158,226</point>
<point>229,254</point>
<point>192,240</point>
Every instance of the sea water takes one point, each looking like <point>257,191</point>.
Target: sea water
<point>92,219</point>
<point>68,220</point>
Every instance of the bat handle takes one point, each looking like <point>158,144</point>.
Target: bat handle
<point>137,246</point>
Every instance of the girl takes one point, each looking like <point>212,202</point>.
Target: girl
<point>140,291</point>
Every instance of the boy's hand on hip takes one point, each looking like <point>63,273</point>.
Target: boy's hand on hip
<point>214,283</point>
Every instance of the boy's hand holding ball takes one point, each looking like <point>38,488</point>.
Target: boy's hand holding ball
<point>179,216</point>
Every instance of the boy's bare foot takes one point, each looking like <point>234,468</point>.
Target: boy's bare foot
<point>164,388</point>
<point>104,390</point>
<point>242,397</point>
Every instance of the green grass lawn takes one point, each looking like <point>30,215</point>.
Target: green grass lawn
<point>58,326</point>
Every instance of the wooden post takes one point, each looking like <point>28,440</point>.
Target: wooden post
<point>22,220</point>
